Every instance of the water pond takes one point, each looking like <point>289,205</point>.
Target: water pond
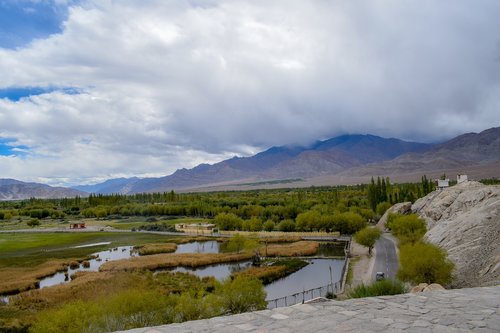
<point>121,252</point>
<point>315,274</point>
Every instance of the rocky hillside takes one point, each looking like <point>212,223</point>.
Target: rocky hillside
<point>465,221</point>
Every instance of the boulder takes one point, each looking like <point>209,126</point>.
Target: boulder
<point>433,286</point>
<point>418,288</point>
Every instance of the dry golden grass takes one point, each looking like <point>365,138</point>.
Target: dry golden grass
<point>302,248</point>
<point>280,239</point>
<point>149,249</point>
<point>261,273</point>
<point>159,261</point>
<point>85,286</point>
<point>17,279</point>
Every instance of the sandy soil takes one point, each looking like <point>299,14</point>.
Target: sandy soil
<point>362,268</point>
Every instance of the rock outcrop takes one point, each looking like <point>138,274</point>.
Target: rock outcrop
<point>423,287</point>
<point>465,221</point>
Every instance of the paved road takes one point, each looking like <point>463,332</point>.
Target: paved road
<point>386,259</point>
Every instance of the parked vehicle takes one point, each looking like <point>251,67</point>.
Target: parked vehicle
<point>379,276</point>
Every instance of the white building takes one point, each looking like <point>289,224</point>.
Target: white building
<point>461,178</point>
<point>442,183</point>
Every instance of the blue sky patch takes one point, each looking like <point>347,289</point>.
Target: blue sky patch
<point>15,94</point>
<point>8,147</point>
<point>22,21</point>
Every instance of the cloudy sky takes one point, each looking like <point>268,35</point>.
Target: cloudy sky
<point>95,89</point>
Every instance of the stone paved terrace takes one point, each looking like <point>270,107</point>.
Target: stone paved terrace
<point>459,310</point>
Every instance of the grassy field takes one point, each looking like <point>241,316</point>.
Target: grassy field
<point>31,249</point>
<point>126,223</point>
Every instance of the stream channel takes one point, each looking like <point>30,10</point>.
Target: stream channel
<point>316,274</point>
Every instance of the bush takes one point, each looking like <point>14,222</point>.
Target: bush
<point>33,222</point>
<point>424,263</point>
<point>379,288</point>
<point>242,294</point>
<point>407,228</point>
<point>140,308</point>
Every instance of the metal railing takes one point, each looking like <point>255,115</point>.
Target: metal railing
<point>306,295</point>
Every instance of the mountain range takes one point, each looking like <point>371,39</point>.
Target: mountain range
<point>11,189</point>
<point>346,159</point>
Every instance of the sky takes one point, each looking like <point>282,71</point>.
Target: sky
<point>98,89</point>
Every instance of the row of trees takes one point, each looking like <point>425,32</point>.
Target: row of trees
<point>345,223</point>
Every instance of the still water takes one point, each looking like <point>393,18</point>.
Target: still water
<point>315,274</point>
<point>198,247</point>
<point>121,252</point>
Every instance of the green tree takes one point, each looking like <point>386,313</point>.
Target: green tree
<point>407,228</point>
<point>286,225</point>
<point>367,237</point>
<point>238,243</point>
<point>382,207</point>
<point>228,221</point>
<point>424,263</point>
<point>269,225</point>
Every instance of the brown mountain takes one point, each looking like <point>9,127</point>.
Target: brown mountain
<point>477,154</point>
<point>11,189</point>
<point>277,163</point>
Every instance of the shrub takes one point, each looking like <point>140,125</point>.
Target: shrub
<point>379,288</point>
<point>242,294</point>
<point>33,222</point>
<point>407,228</point>
<point>424,263</point>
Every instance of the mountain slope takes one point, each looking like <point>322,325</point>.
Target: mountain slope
<point>461,153</point>
<point>11,189</point>
<point>323,157</point>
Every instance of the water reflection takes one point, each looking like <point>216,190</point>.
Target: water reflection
<point>121,252</point>
<point>198,247</point>
<point>316,274</point>
<point>219,271</point>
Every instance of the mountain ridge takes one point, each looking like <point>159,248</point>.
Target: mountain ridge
<point>282,162</point>
<point>11,189</point>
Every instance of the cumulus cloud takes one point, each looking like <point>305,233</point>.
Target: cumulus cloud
<point>166,85</point>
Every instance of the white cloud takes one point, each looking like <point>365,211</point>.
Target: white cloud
<point>172,84</point>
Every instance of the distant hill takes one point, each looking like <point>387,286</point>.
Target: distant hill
<point>471,151</point>
<point>109,186</point>
<point>11,189</point>
<point>277,163</point>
